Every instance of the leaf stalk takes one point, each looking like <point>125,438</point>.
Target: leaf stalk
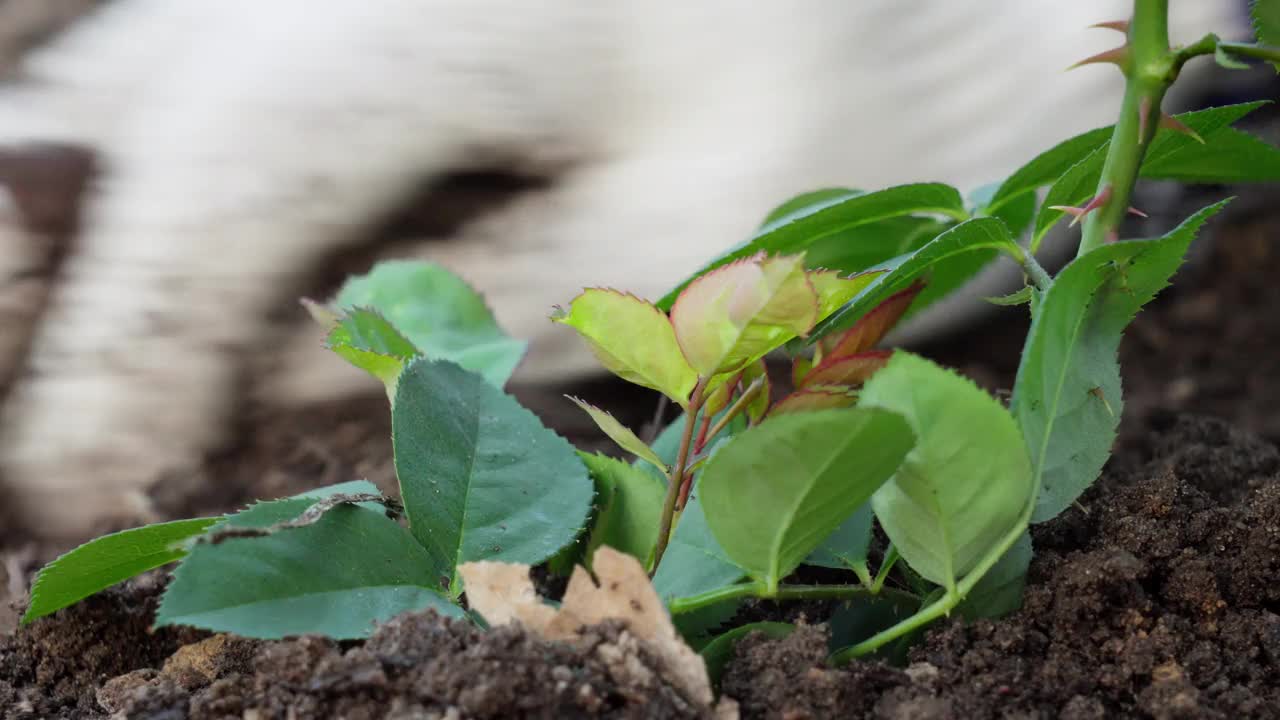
<point>676,474</point>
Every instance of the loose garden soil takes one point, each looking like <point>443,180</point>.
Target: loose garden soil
<point>1156,597</point>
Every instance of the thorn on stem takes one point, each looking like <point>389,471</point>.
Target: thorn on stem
<point>1078,213</point>
<point>1116,56</point>
<point>1139,213</point>
<point>1117,25</point>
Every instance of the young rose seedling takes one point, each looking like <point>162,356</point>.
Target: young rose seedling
<point>742,489</point>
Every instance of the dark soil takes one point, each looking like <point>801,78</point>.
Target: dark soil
<point>1159,601</point>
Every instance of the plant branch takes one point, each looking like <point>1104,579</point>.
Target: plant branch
<point>737,407</point>
<point>886,564</point>
<point>1032,267</point>
<point>1260,52</point>
<point>786,592</point>
<point>675,475</point>
<point>1149,67</point>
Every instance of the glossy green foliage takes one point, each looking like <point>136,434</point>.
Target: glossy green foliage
<point>633,340</point>
<point>1266,22</point>
<point>800,230</point>
<point>1046,167</point>
<point>481,478</point>
<point>776,491</point>
<point>1067,395</point>
<point>442,316</point>
<point>735,314</point>
<point>1226,155</point>
<point>999,592</point>
<point>856,620</point>
<point>621,434</point>
<point>951,258</point>
<point>364,338</point>
<point>337,576</point>
<point>846,547</point>
<point>965,484</point>
<point>695,562</point>
<point>629,502</point>
<point>110,559</point>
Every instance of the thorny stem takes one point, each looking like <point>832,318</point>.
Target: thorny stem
<point>676,474</point>
<point>787,592</point>
<point>1149,69</point>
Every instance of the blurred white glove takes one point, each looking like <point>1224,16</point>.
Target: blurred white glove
<point>243,141</point>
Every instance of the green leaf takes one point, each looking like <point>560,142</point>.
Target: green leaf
<point>719,652</point>
<point>953,257</point>
<point>481,478</point>
<point>1047,167</point>
<point>694,562</point>
<point>799,231</point>
<point>865,246</point>
<point>699,627</point>
<point>368,341</point>
<point>633,340</point>
<point>1174,156</point>
<point>776,491</point>
<point>337,577</point>
<point>999,592</point>
<point>1067,395</point>
<point>1227,60</point>
<point>620,434</point>
<point>846,547</point>
<point>630,502</point>
<point>966,483</point>
<point>805,203</point>
<point>438,313</point>
<point>110,559</point>
<point>859,619</point>
<point>265,513</point>
<point>1076,186</point>
<point>1266,22</point>
<point>737,313</point>
<point>1228,156</point>
<point>667,444</point>
<point>1018,297</point>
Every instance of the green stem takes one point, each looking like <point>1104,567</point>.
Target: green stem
<point>675,475</point>
<point>737,407</point>
<point>890,559</point>
<point>1261,52</point>
<point>1149,70</point>
<point>947,603</point>
<point>1032,267</point>
<point>786,592</point>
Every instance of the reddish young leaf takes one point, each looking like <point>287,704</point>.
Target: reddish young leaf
<point>847,371</point>
<point>874,325</point>
<point>818,399</point>
<point>736,313</point>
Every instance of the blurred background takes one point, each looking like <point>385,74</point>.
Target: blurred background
<point>888,93</point>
